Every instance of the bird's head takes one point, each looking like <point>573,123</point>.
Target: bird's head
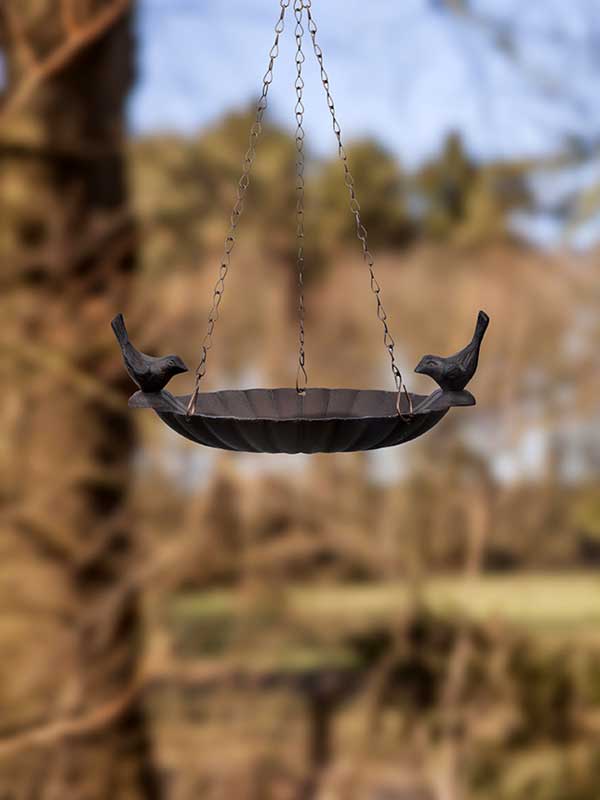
<point>175,365</point>
<point>430,365</point>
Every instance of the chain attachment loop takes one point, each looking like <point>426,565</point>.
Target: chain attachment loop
<point>243,184</point>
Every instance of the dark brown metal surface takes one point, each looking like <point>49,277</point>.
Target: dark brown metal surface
<point>282,421</point>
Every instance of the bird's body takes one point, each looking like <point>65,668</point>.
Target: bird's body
<point>454,372</point>
<point>151,374</point>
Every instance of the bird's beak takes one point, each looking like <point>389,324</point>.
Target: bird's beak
<point>420,368</point>
<point>181,367</point>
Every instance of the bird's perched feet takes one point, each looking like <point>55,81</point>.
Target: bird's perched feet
<point>151,374</point>
<point>453,373</point>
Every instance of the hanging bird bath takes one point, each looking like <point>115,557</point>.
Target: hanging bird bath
<point>301,419</point>
<point>282,421</point>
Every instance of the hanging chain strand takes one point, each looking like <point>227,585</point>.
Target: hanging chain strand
<point>355,208</point>
<point>238,208</point>
<point>301,375</point>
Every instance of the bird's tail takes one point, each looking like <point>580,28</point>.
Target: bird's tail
<point>482,324</point>
<point>118,326</point>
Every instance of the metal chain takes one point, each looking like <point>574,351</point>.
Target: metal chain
<point>355,208</point>
<point>238,208</point>
<point>301,376</point>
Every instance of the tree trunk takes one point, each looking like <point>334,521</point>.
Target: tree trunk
<point>71,721</point>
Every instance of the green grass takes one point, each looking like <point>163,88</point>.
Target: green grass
<point>542,602</point>
<point>561,603</point>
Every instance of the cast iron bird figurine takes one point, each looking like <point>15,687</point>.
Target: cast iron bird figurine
<point>454,372</point>
<point>149,373</point>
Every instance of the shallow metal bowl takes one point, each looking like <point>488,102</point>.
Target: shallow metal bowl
<point>282,421</point>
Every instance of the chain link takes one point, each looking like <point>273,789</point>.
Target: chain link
<point>300,6</point>
<point>301,375</point>
<point>355,208</point>
<point>238,208</point>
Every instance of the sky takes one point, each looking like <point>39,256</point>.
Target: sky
<point>516,78</point>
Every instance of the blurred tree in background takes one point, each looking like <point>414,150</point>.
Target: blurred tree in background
<point>186,189</point>
<point>469,203</point>
<point>183,190</point>
<point>383,193</point>
<point>71,622</point>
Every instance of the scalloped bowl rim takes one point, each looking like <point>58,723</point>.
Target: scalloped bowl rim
<point>384,400</point>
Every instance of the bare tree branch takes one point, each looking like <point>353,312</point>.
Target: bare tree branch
<point>78,39</point>
<point>84,725</point>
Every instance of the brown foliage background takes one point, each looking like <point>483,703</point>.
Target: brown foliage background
<point>183,623</point>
